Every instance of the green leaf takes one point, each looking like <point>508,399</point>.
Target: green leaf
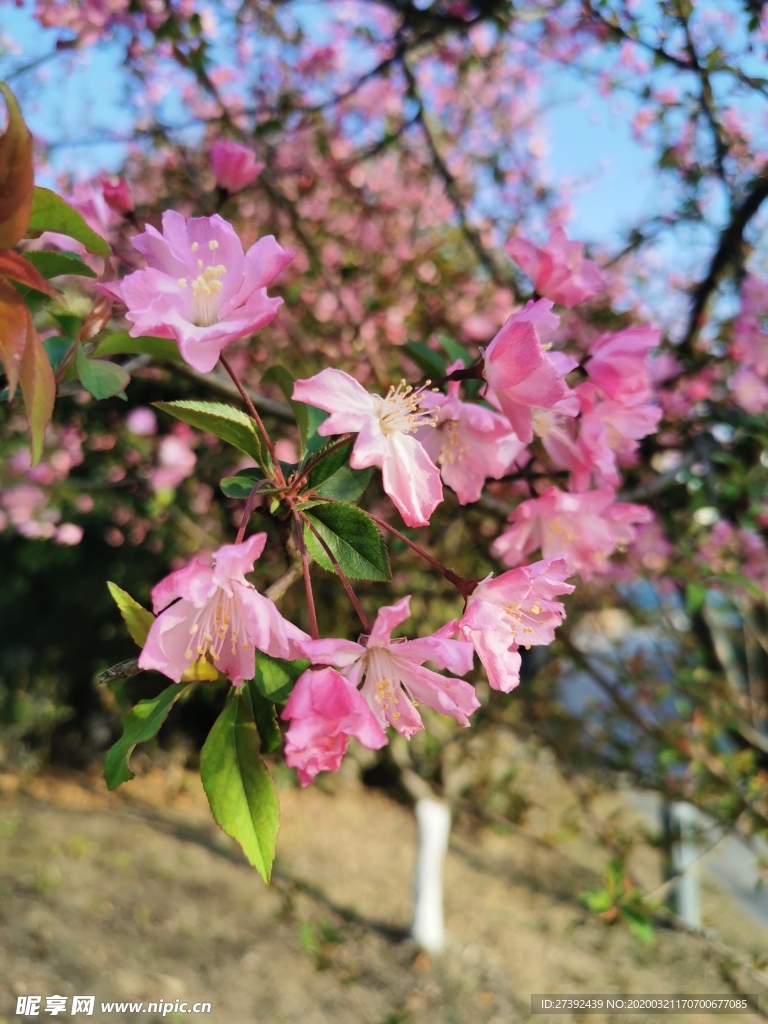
<point>238,786</point>
<point>137,619</point>
<point>314,440</point>
<point>695,596</point>
<point>455,351</point>
<point>51,213</point>
<point>57,348</point>
<point>285,381</point>
<point>641,925</point>
<point>55,264</point>
<point>139,725</point>
<point>431,362</point>
<point>335,478</point>
<point>122,344</point>
<point>241,484</point>
<point>353,538</point>
<point>263,712</point>
<point>275,677</point>
<point>224,421</point>
<point>598,900</point>
<point>102,378</point>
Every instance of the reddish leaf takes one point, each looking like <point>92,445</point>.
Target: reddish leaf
<point>16,267</point>
<point>17,178</point>
<point>14,319</point>
<point>38,386</point>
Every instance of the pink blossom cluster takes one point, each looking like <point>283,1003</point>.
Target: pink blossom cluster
<point>203,291</point>
<point>749,347</point>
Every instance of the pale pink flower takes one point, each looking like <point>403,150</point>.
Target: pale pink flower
<point>584,528</point>
<point>213,612</point>
<point>558,269</point>
<point>234,166</point>
<point>518,369</point>
<point>750,328</point>
<point>618,363</point>
<point>199,288</point>
<point>175,462</point>
<point>69,534</point>
<point>556,427</point>
<point>141,421</point>
<point>607,430</point>
<point>749,391</point>
<point>383,427</point>
<point>511,611</point>
<point>469,442</point>
<point>324,710</point>
<point>117,195</point>
<point>391,671</point>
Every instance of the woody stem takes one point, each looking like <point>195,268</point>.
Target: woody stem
<point>257,419</point>
<point>339,572</point>
<point>463,585</point>
<point>305,572</point>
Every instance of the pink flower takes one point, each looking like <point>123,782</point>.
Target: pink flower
<point>213,612</point>
<point>69,534</point>
<point>518,370</point>
<point>749,391</point>
<point>117,195</point>
<point>469,442</point>
<point>514,609</point>
<point>750,337</point>
<point>608,430</point>
<point>176,461</point>
<point>324,710</point>
<point>392,673</point>
<point>234,166</point>
<point>584,528</point>
<point>618,363</point>
<point>558,269</point>
<point>383,427</point>
<point>199,288</point>
<point>141,421</point>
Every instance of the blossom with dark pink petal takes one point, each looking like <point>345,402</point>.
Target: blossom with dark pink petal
<point>324,710</point>
<point>511,611</point>
<point>608,430</point>
<point>200,289</point>
<point>583,528</point>
<point>558,269</point>
<point>469,443</point>
<point>383,427</point>
<point>117,195</point>
<point>391,671</point>
<point>234,166</point>
<point>212,612</point>
<point>518,370</point>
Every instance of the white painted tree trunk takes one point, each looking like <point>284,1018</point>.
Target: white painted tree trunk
<point>679,823</point>
<point>434,825</point>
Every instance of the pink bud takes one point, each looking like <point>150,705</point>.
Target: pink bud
<point>234,166</point>
<point>117,195</point>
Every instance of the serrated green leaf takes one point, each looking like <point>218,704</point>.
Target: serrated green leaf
<point>641,925</point>
<point>285,381</point>
<point>263,712</point>
<point>51,213</point>
<point>102,378</point>
<point>139,725</point>
<point>238,786</point>
<point>224,421</point>
<point>598,900</point>
<point>431,362</point>
<point>275,677</point>
<point>122,344</point>
<point>353,538</point>
<point>137,618</point>
<point>55,264</point>
<point>335,478</point>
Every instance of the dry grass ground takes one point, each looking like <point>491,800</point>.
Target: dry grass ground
<point>137,896</point>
